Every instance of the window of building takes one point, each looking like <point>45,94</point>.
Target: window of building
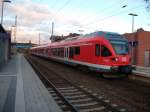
<point>77,50</point>
<point>97,50</point>
<point>105,52</point>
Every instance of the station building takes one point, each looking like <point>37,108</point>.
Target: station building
<point>139,42</point>
<point>5,40</point>
<point>21,47</point>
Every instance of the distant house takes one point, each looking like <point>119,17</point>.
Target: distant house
<point>5,40</point>
<point>139,47</point>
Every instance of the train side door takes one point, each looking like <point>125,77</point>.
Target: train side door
<point>97,53</point>
<point>66,52</point>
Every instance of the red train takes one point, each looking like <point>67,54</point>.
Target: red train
<point>104,52</point>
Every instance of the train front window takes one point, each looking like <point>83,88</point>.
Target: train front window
<point>120,47</point>
<point>105,52</point>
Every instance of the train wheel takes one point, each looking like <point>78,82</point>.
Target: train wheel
<point>83,68</point>
<point>99,75</point>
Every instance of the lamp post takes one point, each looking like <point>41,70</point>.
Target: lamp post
<point>132,14</point>
<point>52,32</point>
<point>15,30</point>
<point>3,1</point>
<point>131,48</point>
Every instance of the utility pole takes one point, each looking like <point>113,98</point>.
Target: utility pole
<point>131,47</point>
<point>15,32</point>
<point>52,31</point>
<point>39,38</point>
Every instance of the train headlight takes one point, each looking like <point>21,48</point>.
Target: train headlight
<point>115,59</point>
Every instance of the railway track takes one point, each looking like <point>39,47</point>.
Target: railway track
<point>70,97</point>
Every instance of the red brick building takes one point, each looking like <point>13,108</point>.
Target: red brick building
<point>139,47</point>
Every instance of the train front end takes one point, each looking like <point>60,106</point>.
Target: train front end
<point>121,61</point>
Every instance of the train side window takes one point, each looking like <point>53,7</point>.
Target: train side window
<point>97,50</point>
<point>77,50</point>
<point>64,52</point>
<point>71,52</point>
<point>61,52</point>
<point>105,52</point>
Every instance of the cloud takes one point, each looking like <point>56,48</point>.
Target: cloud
<point>35,17</point>
<point>31,14</point>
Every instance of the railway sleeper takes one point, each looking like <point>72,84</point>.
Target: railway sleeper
<point>66,88</point>
<point>90,107</point>
<point>96,109</point>
<point>71,94</point>
<point>76,96</point>
<point>49,89</point>
<point>56,98</point>
<point>52,92</point>
<point>54,95</point>
<point>86,104</point>
<point>63,106</point>
<point>80,100</point>
<point>70,90</point>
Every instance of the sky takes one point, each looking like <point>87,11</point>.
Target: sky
<point>72,16</point>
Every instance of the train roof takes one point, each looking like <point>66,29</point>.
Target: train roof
<point>110,36</point>
<point>107,35</point>
<point>41,46</point>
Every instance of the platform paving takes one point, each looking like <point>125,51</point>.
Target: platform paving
<point>21,90</point>
<point>142,71</point>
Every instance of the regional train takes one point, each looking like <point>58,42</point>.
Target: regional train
<point>103,52</point>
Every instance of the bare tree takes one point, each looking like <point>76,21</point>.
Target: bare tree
<point>148,4</point>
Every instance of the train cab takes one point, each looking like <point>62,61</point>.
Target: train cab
<point>115,52</point>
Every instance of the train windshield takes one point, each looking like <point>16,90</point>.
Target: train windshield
<point>120,47</point>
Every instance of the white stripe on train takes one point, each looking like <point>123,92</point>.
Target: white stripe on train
<point>106,67</point>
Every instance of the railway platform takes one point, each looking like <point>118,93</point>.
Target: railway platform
<point>142,71</point>
<point>141,74</point>
<point>21,90</point>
